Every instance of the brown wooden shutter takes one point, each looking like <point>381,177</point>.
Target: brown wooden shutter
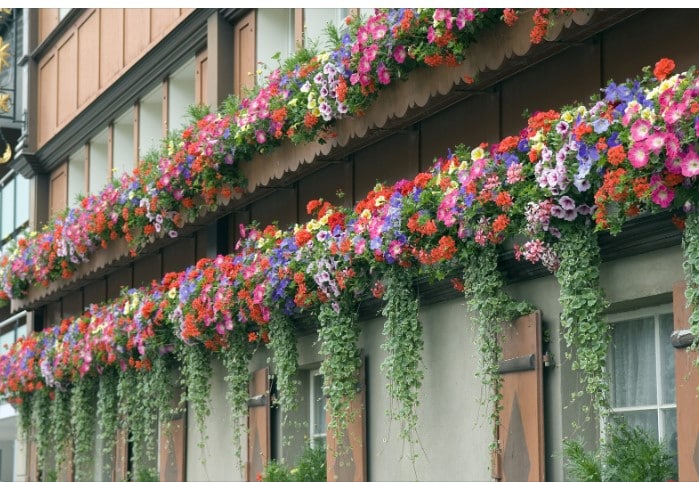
<point>244,54</point>
<point>173,445</point>
<point>348,463</point>
<point>32,461</point>
<point>121,456</point>
<point>521,431</point>
<point>259,433</point>
<point>686,383</point>
<point>58,189</point>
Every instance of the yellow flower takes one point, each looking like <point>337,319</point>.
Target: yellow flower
<point>4,54</point>
<point>366,214</point>
<point>172,293</point>
<point>538,146</point>
<point>477,154</point>
<point>5,102</point>
<point>380,201</point>
<point>567,116</point>
<point>293,102</point>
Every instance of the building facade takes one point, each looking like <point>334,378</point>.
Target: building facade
<point>104,87</point>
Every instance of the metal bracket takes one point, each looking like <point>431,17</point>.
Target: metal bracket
<point>257,401</point>
<point>682,338</point>
<point>517,364</point>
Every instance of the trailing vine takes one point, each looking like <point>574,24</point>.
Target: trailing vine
<point>690,247</point>
<point>41,412</point>
<point>403,346</point>
<point>235,359</point>
<point>282,342</point>
<point>60,426</point>
<point>491,306</point>
<point>196,371</point>
<point>83,418</point>
<point>582,304</point>
<point>338,335</point>
<point>108,410</point>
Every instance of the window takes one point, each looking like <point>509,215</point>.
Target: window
<point>150,122</point>
<point>11,329</point>
<point>14,204</point>
<point>642,366</point>
<point>99,162</point>
<point>123,146</point>
<point>316,20</point>
<point>76,176</point>
<point>181,96</point>
<point>317,409</point>
<point>275,34</point>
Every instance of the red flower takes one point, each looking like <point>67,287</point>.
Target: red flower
<point>663,68</point>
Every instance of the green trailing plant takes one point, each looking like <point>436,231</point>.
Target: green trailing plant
<point>338,335</point>
<point>491,307</point>
<point>61,435</point>
<point>108,410</point>
<point>83,420</point>
<point>627,453</point>
<point>584,327</point>
<point>236,358</point>
<point>403,346</point>
<point>41,412</point>
<point>196,372</point>
<point>282,343</point>
<point>690,247</point>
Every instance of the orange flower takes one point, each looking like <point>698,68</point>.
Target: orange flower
<point>616,155</point>
<point>663,68</point>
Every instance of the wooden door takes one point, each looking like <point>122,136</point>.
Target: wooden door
<point>521,430</point>
<point>686,384</point>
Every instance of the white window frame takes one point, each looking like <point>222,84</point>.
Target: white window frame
<point>655,312</point>
<point>314,398</point>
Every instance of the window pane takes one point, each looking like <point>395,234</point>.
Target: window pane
<point>646,419</point>
<point>633,363</point>
<point>8,206</point>
<point>22,201</point>
<point>275,33</point>
<point>76,176</point>
<point>99,163</point>
<point>667,359</point>
<point>315,22</point>
<point>319,405</point>
<point>670,428</point>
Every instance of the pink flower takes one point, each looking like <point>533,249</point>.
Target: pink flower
<point>464,16</point>
<point>260,136</point>
<point>690,163</point>
<point>662,196</point>
<point>431,36</point>
<point>640,130</point>
<point>638,156</point>
<point>400,54</point>
<point>655,142</point>
<point>674,113</point>
<point>383,74</point>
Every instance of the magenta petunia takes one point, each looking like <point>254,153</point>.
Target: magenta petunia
<point>383,74</point>
<point>638,156</point>
<point>400,54</point>
<point>640,130</point>
<point>690,163</point>
<point>662,196</point>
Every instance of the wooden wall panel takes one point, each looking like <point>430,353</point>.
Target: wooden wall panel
<point>179,256</point>
<point>111,44</point>
<point>48,102</point>
<point>95,292</point>
<point>279,206</point>
<point>470,122</point>
<point>160,21</point>
<point>67,79</point>
<point>48,20</point>
<point>634,44</point>
<point>325,184</point>
<point>389,160</point>
<point>146,270</point>
<point>73,304</point>
<point>244,53</point>
<point>89,58</point>
<point>58,189</point>
<point>136,32</point>
<point>117,280</point>
<point>551,84</point>
<point>201,78</point>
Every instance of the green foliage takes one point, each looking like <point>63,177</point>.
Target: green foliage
<point>626,454</point>
<point>107,409</point>
<point>311,467</point>
<point>338,335</point>
<point>83,420</point>
<point>282,342</point>
<point>690,245</point>
<point>235,359</point>
<point>403,346</point>
<point>196,372</point>
<point>491,306</point>
<point>584,327</point>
